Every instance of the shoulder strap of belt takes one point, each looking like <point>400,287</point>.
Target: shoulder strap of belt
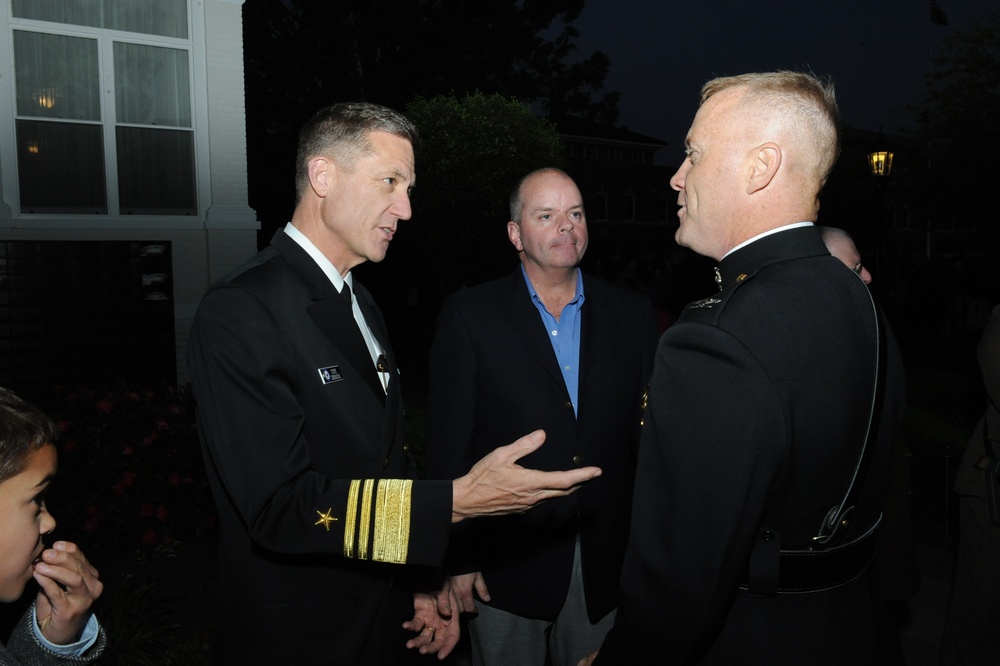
<point>839,517</point>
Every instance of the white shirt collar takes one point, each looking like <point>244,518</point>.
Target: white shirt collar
<point>325,264</point>
<point>794,225</point>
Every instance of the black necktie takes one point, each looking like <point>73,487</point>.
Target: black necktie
<point>354,345</point>
<point>345,299</point>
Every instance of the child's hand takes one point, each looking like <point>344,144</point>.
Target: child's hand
<point>69,586</point>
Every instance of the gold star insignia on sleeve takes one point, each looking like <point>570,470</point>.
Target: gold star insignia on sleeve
<point>325,518</point>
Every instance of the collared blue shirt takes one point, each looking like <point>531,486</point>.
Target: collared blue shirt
<point>564,334</point>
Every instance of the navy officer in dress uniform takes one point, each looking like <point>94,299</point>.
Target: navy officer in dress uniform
<point>750,544</point>
<point>301,420</point>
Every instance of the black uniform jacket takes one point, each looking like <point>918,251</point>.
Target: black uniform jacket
<point>494,377</point>
<point>758,406</point>
<point>306,459</point>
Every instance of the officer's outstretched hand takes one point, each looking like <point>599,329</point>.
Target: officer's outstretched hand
<point>497,485</point>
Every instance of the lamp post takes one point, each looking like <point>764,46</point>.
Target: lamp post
<point>880,167</point>
<point>880,163</point>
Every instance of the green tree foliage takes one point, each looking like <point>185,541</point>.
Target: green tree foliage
<point>473,150</point>
<point>301,55</point>
<point>959,128</point>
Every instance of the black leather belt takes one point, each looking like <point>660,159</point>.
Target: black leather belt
<point>805,571</point>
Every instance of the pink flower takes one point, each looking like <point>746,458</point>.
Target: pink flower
<point>127,451</point>
<point>150,537</point>
<point>162,514</point>
<point>69,446</point>
<point>133,396</point>
<point>63,425</point>
<point>90,525</point>
<point>162,424</point>
<point>175,408</point>
<point>128,478</point>
<point>105,406</point>
<point>174,479</point>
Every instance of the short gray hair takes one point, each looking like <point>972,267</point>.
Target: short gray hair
<point>341,131</point>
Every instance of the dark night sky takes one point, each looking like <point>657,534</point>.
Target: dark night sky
<point>877,52</point>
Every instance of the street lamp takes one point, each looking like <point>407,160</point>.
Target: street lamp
<point>880,163</point>
<point>880,166</point>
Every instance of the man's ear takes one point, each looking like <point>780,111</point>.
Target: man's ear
<point>514,234</point>
<point>321,174</point>
<point>766,161</point>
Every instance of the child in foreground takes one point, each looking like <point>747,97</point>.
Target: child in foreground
<point>59,627</point>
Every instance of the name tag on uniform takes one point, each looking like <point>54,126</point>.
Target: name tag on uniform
<point>330,375</point>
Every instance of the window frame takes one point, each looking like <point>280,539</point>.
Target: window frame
<point>194,44</point>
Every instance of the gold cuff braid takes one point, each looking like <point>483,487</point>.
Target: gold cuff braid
<point>391,500</point>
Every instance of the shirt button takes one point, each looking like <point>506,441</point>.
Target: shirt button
<point>568,405</point>
<point>578,460</point>
<point>385,463</point>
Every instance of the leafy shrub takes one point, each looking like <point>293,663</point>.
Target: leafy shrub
<point>131,472</point>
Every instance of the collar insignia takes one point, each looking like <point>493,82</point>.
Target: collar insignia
<point>643,404</point>
<point>705,303</point>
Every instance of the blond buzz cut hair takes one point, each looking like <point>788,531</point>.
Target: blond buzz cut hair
<point>799,100</point>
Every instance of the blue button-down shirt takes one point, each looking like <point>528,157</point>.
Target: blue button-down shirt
<point>564,334</point>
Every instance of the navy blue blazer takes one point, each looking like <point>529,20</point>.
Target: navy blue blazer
<point>493,378</point>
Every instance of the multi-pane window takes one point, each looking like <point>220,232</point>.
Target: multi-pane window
<point>103,107</point>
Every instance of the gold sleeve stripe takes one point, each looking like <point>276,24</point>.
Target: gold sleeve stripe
<point>366,518</point>
<point>392,520</point>
<point>351,519</point>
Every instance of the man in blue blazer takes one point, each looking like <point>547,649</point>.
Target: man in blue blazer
<point>300,415</point>
<point>756,510</point>
<point>544,347</point>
